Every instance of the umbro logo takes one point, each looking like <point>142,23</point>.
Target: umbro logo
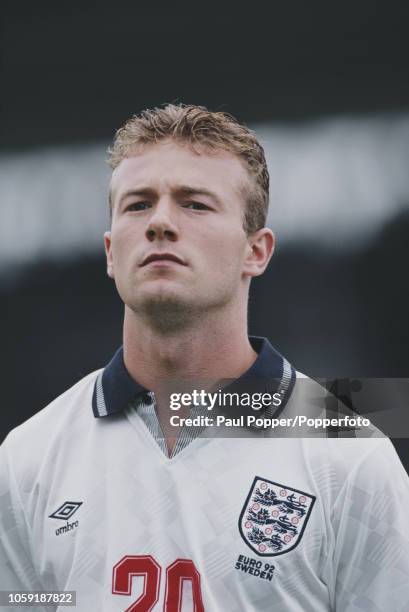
<point>64,513</point>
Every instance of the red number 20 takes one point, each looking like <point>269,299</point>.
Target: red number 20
<point>146,566</point>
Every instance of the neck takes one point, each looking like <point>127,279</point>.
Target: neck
<point>215,346</point>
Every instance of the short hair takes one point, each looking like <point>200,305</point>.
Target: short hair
<point>197,126</point>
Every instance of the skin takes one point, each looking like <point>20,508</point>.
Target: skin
<point>186,318</point>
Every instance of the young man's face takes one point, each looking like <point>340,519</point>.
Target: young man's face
<point>177,238</point>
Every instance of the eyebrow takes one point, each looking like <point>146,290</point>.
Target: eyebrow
<point>143,191</point>
<point>192,191</point>
<point>184,190</point>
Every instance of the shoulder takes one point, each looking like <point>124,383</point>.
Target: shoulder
<point>354,455</point>
<point>55,425</point>
<point>340,462</point>
<point>330,408</point>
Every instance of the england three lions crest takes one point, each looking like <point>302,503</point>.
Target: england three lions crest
<point>274,517</point>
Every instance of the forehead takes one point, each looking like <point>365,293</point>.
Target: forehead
<point>165,165</point>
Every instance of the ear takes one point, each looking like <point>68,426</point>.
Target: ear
<point>108,253</point>
<point>259,251</point>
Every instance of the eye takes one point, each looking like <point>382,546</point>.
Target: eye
<point>196,206</point>
<point>137,206</point>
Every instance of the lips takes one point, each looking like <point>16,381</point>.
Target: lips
<point>162,257</point>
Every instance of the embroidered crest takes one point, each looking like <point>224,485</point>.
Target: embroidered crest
<point>274,517</point>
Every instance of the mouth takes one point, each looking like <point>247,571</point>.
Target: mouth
<point>162,257</point>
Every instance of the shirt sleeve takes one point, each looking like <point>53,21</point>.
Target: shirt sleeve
<point>16,568</point>
<point>370,518</point>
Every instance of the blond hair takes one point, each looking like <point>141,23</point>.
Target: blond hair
<point>198,126</point>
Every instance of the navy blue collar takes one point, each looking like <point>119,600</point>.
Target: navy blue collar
<point>115,388</point>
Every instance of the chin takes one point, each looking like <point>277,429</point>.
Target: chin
<point>162,294</point>
<point>165,310</point>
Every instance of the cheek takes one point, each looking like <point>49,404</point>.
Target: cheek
<point>226,255</point>
<point>121,245</point>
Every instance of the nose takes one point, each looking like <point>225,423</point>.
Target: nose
<point>162,225</point>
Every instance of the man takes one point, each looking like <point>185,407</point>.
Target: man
<point>106,494</point>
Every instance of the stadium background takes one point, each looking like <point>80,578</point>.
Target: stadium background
<point>326,87</point>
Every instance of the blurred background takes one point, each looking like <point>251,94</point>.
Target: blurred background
<point>326,88</point>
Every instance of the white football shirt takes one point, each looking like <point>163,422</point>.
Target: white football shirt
<point>90,502</point>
